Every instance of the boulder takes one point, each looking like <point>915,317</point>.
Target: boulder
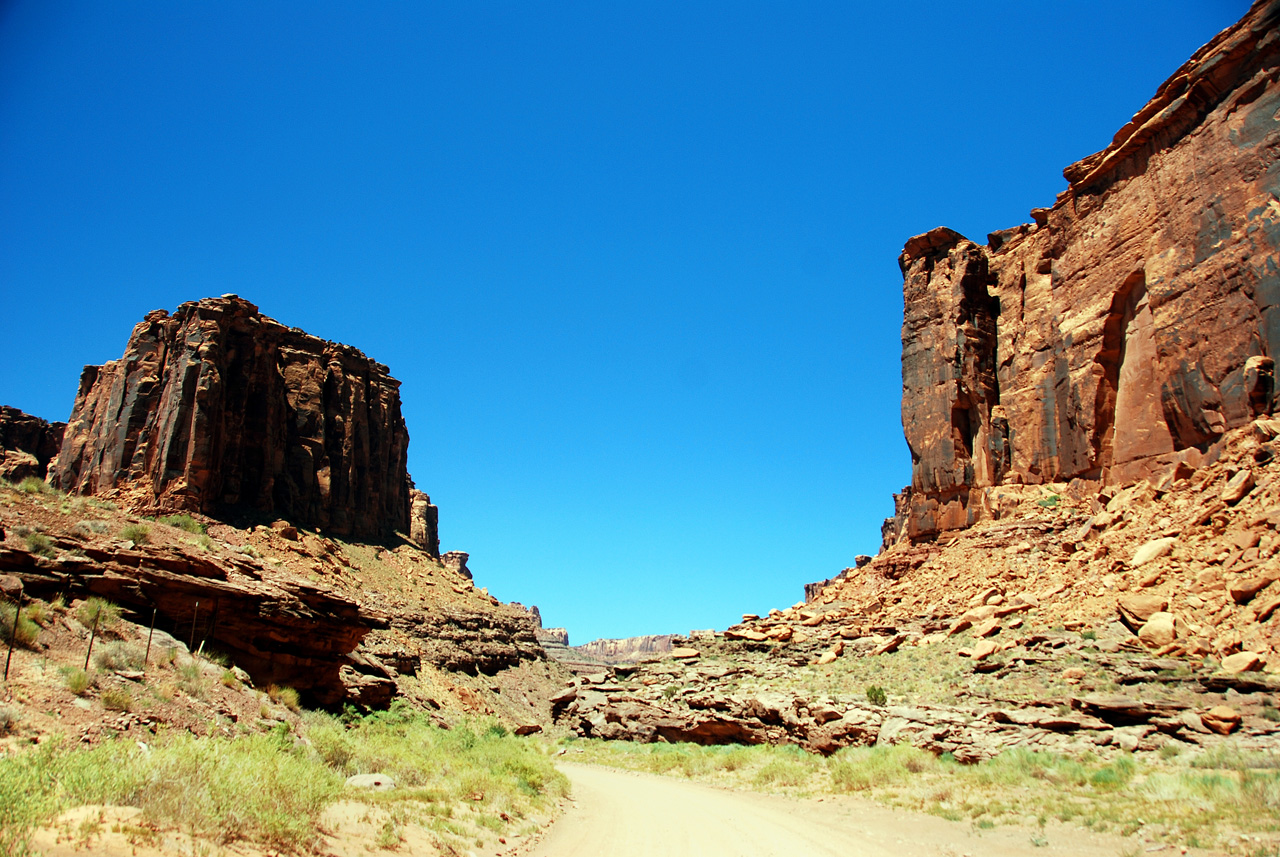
<point>1135,610</point>
<point>1237,487</point>
<point>1152,550</point>
<point>1243,662</point>
<point>1221,719</point>
<point>371,782</point>
<point>1160,630</point>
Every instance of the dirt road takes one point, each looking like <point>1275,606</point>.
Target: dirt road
<point>624,814</point>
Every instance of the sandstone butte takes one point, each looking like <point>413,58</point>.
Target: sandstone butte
<point>1128,326</point>
<point>220,410</point>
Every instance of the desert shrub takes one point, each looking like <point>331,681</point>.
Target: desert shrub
<point>876,695</point>
<point>106,614</point>
<point>1049,502</point>
<point>286,696</point>
<point>120,656</point>
<point>186,523</point>
<point>117,699</point>
<point>77,680</point>
<point>204,542</point>
<point>136,533</point>
<point>88,529</point>
<point>35,485</point>
<point>27,630</point>
<point>102,504</point>
<point>40,544</point>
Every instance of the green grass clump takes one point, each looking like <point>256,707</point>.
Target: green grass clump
<point>35,485</point>
<point>99,610</point>
<point>136,533</point>
<point>77,680</point>
<point>876,695</point>
<point>27,630</point>
<point>40,544</point>
<point>186,523</point>
<point>117,699</point>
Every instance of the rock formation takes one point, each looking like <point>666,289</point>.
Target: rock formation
<point>1129,326</point>
<point>221,410</point>
<point>27,444</point>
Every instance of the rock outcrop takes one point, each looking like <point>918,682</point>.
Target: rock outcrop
<point>221,410</point>
<point>281,627</point>
<point>1125,329</point>
<point>27,444</point>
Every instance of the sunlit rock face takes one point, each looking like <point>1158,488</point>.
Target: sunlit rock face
<point>1129,325</point>
<point>221,410</point>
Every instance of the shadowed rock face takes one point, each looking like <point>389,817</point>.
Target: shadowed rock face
<point>1128,327</point>
<point>219,409</point>
<point>27,444</point>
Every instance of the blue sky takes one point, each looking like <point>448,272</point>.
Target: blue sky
<point>635,263</point>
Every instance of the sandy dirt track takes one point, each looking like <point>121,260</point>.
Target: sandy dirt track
<point>626,814</point>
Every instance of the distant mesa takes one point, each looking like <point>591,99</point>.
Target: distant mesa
<point>221,410</point>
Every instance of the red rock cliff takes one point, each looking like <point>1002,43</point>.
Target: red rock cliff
<point>1126,328</point>
<point>219,409</point>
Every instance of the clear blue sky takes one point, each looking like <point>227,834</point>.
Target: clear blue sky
<point>635,263</point>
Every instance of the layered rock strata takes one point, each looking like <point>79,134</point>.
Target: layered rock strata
<point>282,628</point>
<point>221,410</point>
<point>27,444</point>
<point>1125,329</point>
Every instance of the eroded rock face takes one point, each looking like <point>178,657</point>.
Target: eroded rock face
<point>218,408</point>
<point>27,444</point>
<point>1130,325</point>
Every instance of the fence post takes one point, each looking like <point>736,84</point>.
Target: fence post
<point>13,636</point>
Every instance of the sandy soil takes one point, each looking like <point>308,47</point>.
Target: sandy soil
<point>627,814</point>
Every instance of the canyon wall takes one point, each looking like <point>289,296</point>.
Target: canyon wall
<point>1125,329</point>
<point>221,410</point>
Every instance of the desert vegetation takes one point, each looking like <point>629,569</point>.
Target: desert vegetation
<point>458,783</point>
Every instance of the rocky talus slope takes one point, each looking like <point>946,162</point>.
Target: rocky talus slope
<point>1125,619</point>
<point>1127,327</point>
